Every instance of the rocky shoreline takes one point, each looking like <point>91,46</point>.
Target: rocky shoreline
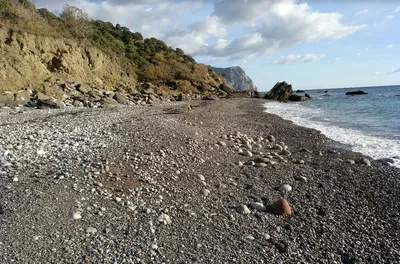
<point>154,183</point>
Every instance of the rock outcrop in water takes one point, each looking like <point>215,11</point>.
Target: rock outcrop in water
<point>359,92</point>
<point>237,78</point>
<point>282,91</point>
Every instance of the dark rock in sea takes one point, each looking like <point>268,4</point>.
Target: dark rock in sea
<point>307,95</point>
<point>298,98</point>
<point>386,161</point>
<point>282,91</point>
<point>325,91</point>
<point>326,94</point>
<point>299,91</point>
<point>356,92</point>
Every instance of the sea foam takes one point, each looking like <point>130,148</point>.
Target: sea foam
<point>360,141</point>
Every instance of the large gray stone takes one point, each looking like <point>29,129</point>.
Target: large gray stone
<point>108,101</point>
<point>280,92</point>
<point>22,97</point>
<point>120,98</point>
<point>211,97</point>
<point>84,88</point>
<point>6,99</point>
<point>148,88</point>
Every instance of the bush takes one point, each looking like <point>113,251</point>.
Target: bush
<point>77,21</point>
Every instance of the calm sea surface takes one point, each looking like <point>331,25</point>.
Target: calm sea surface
<point>369,123</point>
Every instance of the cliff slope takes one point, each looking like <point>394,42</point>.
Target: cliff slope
<point>237,78</point>
<point>46,53</point>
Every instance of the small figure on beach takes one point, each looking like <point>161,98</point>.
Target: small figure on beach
<point>189,107</point>
<point>251,93</point>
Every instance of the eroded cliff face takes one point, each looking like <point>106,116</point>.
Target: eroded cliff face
<point>237,78</point>
<point>27,61</point>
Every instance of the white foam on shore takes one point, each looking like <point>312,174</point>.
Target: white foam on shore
<point>370,145</point>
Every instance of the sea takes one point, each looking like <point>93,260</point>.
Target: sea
<point>368,123</point>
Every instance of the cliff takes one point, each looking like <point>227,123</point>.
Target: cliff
<point>46,53</point>
<point>237,78</point>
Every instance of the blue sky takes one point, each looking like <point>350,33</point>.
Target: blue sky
<point>311,44</point>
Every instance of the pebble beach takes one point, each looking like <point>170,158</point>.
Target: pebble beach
<point>159,184</point>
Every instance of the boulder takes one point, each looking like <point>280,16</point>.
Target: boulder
<point>154,98</point>
<point>281,207</point>
<point>108,101</point>
<point>120,98</point>
<point>226,88</point>
<point>83,88</point>
<point>148,88</point>
<point>6,99</point>
<point>298,98</point>
<point>356,92</point>
<point>182,97</point>
<point>280,92</point>
<point>95,95</point>
<point>44,101</point>
<point>211,97</point>
<point>22,97</point>
<point>300,91</point>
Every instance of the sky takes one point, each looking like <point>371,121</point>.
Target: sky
<point>313,44</point>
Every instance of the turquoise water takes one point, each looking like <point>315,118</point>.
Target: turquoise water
<point>369,123</point>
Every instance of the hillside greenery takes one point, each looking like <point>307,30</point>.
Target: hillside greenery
<point>152,59</point>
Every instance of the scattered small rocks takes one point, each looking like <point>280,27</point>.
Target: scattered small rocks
<point>201,177</point>
<point>91,230</point>
<point>243,209</point>
<point>364,161</point>
<point>77,215</point>
<point>165,219</point>
<point>258,206</point>
<point>285,188</point>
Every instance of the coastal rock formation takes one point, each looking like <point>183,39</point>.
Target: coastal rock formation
<point>237,78</point>
<point>283,92</point>
<point>359,92</point>
<point>41,53</point>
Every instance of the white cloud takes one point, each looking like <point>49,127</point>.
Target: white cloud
<point>393,46</point>
<point>389,17</point>
<point>361,12</point>
<point>299,58</point>
<point>397,9</point>
<point>337,59</point>
<point>277,25</point>
<point>135,2</point>
<point>265,25</point>
<point>376,73</point>
<point>395,71</point>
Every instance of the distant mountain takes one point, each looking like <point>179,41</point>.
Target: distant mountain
<point>237,78</point>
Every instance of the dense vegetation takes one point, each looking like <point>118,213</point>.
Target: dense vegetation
<point>152,60</point>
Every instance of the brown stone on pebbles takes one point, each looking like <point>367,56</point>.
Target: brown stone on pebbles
<point>281,207</point>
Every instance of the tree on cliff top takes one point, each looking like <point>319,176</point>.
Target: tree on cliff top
<point>77,21</point>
